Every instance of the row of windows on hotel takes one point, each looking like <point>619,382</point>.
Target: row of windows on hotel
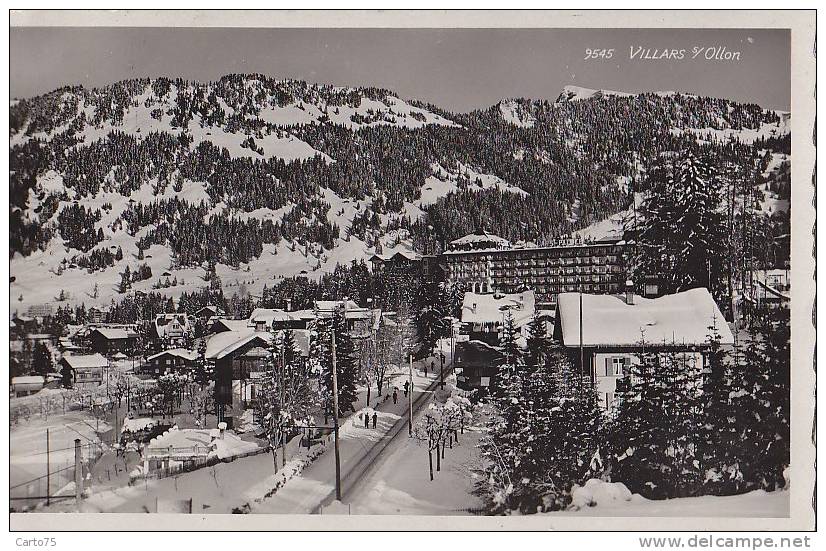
<point>535,271</point>
<point>510,261</point>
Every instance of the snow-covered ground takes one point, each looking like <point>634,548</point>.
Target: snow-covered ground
<point>399,484</point>
<point>614,500</point>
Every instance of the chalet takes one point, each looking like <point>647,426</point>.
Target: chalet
<point>175,360</point>
<point>221,325</point>
<point>83,370</point>
<point>109,340</point>
<point>238,354</point>
<point>476,364</point>
<point>208,312</point>
<point>94,315</point>
<point>264,319</point>
<point>401,262</point>
<point>171,328</point>
<point>484,315</point>
<point>609,333</point>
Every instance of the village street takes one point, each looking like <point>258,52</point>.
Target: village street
<point>360,448</point>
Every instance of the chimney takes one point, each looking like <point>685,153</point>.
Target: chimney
<point>629,292</point>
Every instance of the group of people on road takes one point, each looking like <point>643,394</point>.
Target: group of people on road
<point>366,416</point>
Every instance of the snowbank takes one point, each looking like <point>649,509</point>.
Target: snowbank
<point>597,492</point>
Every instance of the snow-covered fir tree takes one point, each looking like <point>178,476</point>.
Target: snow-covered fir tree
<point>683,239</point>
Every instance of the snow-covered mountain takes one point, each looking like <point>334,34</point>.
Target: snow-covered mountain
<point>271,178</point>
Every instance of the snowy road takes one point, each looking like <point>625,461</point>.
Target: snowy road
<point>359,448</point>
<point>398,481</point>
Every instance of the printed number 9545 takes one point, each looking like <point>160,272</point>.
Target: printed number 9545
<point>599,53</point>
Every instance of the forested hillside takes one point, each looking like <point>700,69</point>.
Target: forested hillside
<point>268,178</point>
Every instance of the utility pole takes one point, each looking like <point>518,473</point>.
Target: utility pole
<point>581,349</point>
<point>335,405</point>
<point>78,472</point>
<point>410,399</point>
<point>48,468</point>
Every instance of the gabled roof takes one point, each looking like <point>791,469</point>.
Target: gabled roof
<point>682,319</point>
<point>330,305</point>
<point>221,344</point>
<point>112,333</point>
<point>269,315</point>
<point>493,308</point>
<point>188,355</point>
<point>232,325</point>
<point>85,361</point>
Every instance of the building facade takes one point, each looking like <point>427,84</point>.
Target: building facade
<point>597,267</point>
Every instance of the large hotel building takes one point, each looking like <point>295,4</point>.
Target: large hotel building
<point>486,263</point>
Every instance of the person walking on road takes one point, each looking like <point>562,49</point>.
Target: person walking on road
<point>367,419</point>
<point>406,388</point>
<point>375,418</point>
<point>395,395</point>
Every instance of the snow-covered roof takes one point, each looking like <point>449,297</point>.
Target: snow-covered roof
<point>81,361</point>
<point>165,323</point>
<point>178,352</point>
<point>112,333</point>
<point>490,308</point>
<point>221,344</point>
<point>681,318</point>
<point>330,305</point>
<point>182,439</point>
<point>269,315</point>
<point>233,325</point>
<point>483,237</point>
<point>28,380</point>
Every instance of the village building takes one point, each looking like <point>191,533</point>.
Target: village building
<point>610,333</point>
<point>110,340</point>
<point>175,360</point>
<point>84,370</point>
<point>483,315</point>
<point>264,319</point>
<point>208,312</point>
<point>222,325</point>
<point>240,357</point>
<point>171,328</point>
<point>476,364</point>
<point>26,385</point>
<point>768,288</point>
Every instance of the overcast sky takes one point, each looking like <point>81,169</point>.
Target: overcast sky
<point>456,69</point>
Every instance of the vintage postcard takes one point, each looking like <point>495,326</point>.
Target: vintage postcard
<point>411,270</point>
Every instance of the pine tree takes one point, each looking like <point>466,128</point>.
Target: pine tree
<point>725,415</point>
<point>204,372</point>
<point>42,359</point>
<point>684,241</point>
<point>346,366</point>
